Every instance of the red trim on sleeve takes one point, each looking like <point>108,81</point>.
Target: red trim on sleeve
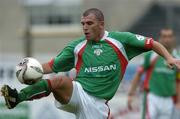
<point>38,96</point>
<point>51,62</point>
<point>149,43</point>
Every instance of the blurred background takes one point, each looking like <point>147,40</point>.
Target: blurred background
<point>41,29</point>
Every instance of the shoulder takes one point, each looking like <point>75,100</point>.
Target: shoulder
<point>75,42</point>
<point>147,55</point>
<point>117,34</point>
<point>125,37</point>
<point>151,56</point>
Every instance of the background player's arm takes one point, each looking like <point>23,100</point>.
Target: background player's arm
<point>135,81</point>
<point>161,50</point>
<point>133,87</point>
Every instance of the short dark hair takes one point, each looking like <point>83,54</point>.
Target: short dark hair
<point>98,13</point>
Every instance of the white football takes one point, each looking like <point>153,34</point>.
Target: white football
<point>29,71</point>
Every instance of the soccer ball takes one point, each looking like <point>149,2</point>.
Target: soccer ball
<point>29,71</point>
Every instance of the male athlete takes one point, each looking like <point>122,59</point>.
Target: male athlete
<point>100,58</point>
<point>160,81</point>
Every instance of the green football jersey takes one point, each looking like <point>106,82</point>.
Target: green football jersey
<point>101,65</point>
<point>160,79</point>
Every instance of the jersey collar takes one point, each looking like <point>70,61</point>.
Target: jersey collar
<point>105,35</point>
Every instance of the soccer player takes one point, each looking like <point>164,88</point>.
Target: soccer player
<point>160,81</point>
<point>100,58</point>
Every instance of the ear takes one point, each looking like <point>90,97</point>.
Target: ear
<point>101,23</point>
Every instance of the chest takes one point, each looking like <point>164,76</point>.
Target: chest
<point>99,54</point>
<point>161,67</point>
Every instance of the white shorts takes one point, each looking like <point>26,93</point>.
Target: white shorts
<point>176,113</point>
<point>85,106</point>
<point>159,107</point>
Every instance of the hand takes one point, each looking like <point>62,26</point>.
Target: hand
<point>129,102</point>
<point>173,62</point>
<point>177,106</point>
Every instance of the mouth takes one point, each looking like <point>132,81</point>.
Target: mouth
<point>86,34</point>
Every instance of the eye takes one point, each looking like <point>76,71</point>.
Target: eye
<point>82,23</point>
<point>90,23</point>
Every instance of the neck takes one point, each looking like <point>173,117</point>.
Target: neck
<point>100,36</point>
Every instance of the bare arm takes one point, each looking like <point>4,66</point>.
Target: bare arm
<point>46,68</point>
<point>134,83</point>
<point>162,51</point>
<point>133,88</point>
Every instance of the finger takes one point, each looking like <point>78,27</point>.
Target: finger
<point>177,64</point>
<point>170,66</point>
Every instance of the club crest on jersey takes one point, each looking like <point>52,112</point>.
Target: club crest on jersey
<point>139,37</point>
<point>98,52</point>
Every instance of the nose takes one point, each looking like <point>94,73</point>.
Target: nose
<point>85,27</point>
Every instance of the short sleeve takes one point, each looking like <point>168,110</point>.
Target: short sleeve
<point>64,61</point>
<point>136,44</point>
<point>147,61</point>
<point>139,41</point>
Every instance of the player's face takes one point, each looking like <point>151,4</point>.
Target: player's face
<point>92,27</point>
<point>167,38</point>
